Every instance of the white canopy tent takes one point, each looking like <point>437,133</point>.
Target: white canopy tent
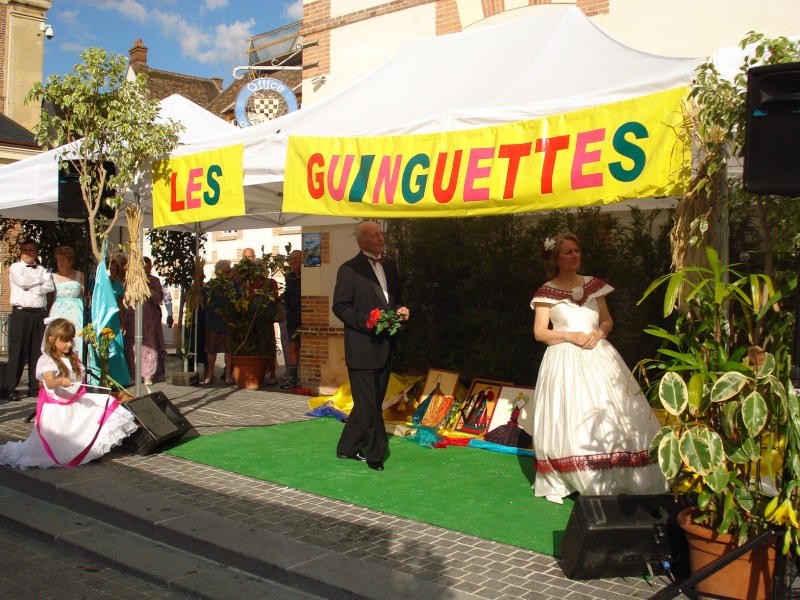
<point>511,72</point>
<point>30,186</point>
<point>502,74</point>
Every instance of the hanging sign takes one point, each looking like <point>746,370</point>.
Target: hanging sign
<point>198,187</point>
<point>263,99</point>
<point>599,155</point>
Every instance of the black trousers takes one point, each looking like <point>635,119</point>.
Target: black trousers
<point>25,333</point>
<point>364,429</point>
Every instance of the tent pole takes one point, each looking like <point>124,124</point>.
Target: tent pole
<point>138,330</point>
<point>195,323</point>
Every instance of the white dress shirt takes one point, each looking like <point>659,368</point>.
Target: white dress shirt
<point>380,274</point>
<point>29,285</point>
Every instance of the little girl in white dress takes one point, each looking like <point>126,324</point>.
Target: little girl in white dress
<point>72,427</point>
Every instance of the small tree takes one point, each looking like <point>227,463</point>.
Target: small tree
<point>104,118</point>
<point>170,250</point>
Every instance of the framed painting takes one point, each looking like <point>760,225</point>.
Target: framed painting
<point>510,398</point>
<point>476,412</point>
<point>438,392</point>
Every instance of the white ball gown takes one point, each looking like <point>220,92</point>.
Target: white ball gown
<point>592,427</point>
<point>71,428</point>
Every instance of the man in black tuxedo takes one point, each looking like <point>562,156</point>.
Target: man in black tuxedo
<point>364,283</point>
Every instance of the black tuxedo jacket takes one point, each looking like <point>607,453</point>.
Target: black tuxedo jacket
<point>357,293</point>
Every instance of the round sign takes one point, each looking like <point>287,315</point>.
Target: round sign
<point>262,100</point>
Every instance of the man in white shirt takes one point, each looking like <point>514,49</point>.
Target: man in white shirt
<point>30,284</point>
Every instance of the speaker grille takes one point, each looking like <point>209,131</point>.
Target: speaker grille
<point>772,130</point>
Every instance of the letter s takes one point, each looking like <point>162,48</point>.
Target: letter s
<point>214,171</point>
<point>629,150</point>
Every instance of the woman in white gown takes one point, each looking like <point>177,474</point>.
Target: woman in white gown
<point>592,427</point>
<point>72,427</point>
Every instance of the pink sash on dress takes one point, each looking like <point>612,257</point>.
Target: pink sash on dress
<point>111,406</point>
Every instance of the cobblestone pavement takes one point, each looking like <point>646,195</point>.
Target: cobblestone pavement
<point>32,570</point>
<point>458,561</point>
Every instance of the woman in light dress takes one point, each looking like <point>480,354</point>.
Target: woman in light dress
<point>68,296</point>
<point>72,427</point>
<point>592,427</point>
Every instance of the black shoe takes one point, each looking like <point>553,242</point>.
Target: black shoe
<point>356,456</point>
<point>33,393</point>
<point>290,384</point>
<point>13,397</point>
<point>377,466</point>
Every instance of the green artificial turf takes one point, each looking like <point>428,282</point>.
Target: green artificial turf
<point>475,491</point>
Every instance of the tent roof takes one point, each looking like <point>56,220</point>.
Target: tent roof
<point>30,186</point>
<point>548,64</point>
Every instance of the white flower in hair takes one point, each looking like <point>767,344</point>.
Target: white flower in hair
<point>577,293</point>
<point>549,244</point>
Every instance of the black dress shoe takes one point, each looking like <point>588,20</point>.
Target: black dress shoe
<point>13,397</point>
<point>356,456</point>
<point>377,466</point>
<point>33,393</point>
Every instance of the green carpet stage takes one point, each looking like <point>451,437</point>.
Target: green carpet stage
<point>475,491</point>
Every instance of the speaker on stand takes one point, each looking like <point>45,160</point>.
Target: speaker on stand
<point>772,130</point>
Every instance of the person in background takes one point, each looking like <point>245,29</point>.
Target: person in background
<point>68,299</point>
<point>592,427</point>
<point>294,320</point>
<point>364,283</point>
<point>152,357</point>
<point>30,283</point>
<point>167,300</point>
<point>72,427</point>
<point>216,329</point>
<point>122,261</point>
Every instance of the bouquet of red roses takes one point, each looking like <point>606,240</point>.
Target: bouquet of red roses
<point>382,320</point>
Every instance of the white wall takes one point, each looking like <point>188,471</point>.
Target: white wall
<point>359,48</point>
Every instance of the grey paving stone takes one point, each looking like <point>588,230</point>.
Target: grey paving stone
<point>357,534</point>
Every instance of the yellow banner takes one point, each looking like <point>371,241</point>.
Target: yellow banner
<point>198,187</point>
<point>600,155</point>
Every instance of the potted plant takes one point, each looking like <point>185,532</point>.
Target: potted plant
<point>732,437</point>
<point>247,300</point>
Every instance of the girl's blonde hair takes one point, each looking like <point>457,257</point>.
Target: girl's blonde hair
<point>62,329</point>
<point>550,257</point>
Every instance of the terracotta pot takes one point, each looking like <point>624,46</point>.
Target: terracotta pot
<point>749,577</point>
<point>249,371</point>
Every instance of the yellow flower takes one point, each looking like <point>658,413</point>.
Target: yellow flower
<point>785,514</point>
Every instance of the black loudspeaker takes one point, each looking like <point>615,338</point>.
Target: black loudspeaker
<point>772,130</point>
<point>619,536</point>
<point>70,197</point>
<point>159,422</point>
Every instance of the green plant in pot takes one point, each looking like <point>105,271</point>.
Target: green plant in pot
<point>247,301</point>
<point>733,432</point>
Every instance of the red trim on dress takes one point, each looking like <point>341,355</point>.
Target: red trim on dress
<point>550,293</point>
<point>593,462</point>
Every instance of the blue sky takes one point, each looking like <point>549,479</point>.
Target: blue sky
<point>206,38</point>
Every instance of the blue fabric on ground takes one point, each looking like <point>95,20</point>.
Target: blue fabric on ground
<point>475,443</point>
